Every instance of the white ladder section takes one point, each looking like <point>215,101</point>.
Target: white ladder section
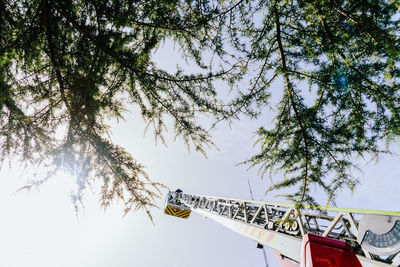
<point>281,226</point>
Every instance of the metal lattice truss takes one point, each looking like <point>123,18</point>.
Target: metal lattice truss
<point>281,226</point>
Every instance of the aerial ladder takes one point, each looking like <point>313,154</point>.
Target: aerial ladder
<point>310,236</point>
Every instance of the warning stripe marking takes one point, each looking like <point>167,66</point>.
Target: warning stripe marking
<point>177,213</point>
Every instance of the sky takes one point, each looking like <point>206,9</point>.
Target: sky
<point>40,228</point>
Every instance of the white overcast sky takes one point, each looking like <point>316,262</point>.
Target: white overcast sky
<point>41,229</point>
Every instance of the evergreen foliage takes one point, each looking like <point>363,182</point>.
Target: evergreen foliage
<point>348,53</point>
<point>66,65</point>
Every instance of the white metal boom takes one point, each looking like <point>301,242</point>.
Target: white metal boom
<point>282,226</point>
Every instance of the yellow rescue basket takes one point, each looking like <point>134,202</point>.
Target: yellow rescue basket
<point>175,207</point>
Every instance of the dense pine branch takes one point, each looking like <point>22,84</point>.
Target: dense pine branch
<point>65,64</point>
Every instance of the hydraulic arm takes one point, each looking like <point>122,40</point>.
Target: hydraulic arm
<point>374,236</point>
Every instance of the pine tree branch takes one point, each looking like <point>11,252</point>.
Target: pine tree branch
<point>110,52</point>
<point>289,89</point>
<point>46,16</point>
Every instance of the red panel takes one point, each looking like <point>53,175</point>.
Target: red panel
<point>326,252</point>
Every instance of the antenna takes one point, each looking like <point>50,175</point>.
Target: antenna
<point>263,250</point>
